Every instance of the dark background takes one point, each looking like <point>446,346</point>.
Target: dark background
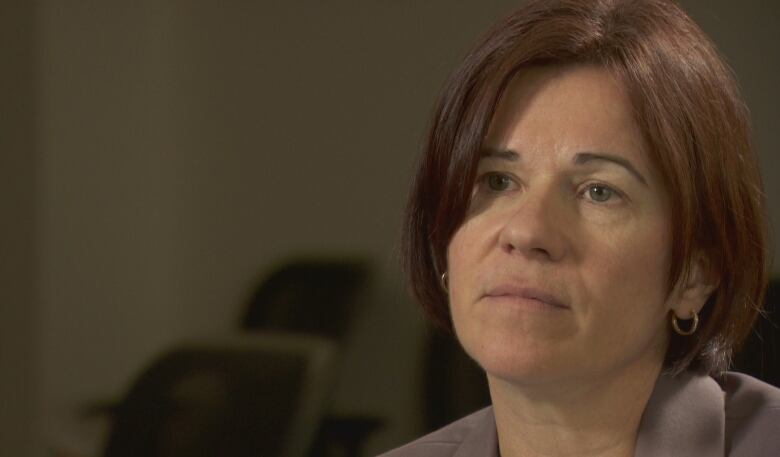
<point>158,157</point>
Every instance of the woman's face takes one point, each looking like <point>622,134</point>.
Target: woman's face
<point>559,271</point>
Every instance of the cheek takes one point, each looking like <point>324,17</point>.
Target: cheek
<point>465,254</point>
<point>628,272</point>
<point>457,274</point>
<point>462,272</point>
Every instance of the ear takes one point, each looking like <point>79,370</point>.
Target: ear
<point>692,292</point>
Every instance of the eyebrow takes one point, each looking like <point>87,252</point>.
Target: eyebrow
<point>581,158</point>
<point>584,158</point>
<point>503,154</point>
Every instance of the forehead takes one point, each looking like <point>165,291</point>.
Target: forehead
<point>559,109</point>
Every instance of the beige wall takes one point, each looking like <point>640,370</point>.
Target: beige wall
<point>187,146</point>
<point>18,161</point>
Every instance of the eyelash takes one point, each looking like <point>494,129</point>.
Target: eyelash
<point>614,193</point>
<point>483,180</point>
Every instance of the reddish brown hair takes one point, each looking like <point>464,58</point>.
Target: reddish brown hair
<point>689,109</point>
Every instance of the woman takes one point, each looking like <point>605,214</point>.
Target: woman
<point>588,219</point>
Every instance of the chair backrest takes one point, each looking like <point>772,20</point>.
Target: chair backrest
<point>253,395</point>
<point>315,296</point>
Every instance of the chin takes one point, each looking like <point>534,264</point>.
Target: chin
<point>517,360</point>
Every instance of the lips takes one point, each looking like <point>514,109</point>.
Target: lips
<point>526,293</point>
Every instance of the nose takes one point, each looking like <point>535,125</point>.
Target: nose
<point>534,227</point>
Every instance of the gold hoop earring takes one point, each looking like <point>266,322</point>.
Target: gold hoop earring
<point>691,330</point>
<point>444,282</point>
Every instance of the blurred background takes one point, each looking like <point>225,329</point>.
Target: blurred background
<point>161,159</point>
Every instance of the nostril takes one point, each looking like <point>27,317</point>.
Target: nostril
<point>540,253</point>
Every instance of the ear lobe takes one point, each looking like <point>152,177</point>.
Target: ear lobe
<point>696,289</point>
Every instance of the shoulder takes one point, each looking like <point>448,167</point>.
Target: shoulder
<point>752,415</point>
<point>445,441</point>
<point>748,398</point>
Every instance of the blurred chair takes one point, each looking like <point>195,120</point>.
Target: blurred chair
<point>317,296</point>
<point>253,395</point>
<point>760,356</point>
<point>310,295</point>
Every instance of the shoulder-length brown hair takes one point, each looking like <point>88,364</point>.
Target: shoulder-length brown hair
<point>688,106</point>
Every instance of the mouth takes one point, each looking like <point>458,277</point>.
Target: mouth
<point>526,295</point>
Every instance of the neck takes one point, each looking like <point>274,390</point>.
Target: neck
<point>586,417</point>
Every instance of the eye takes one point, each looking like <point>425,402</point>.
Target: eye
<point>600,193</point>
<point>498,182</point>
